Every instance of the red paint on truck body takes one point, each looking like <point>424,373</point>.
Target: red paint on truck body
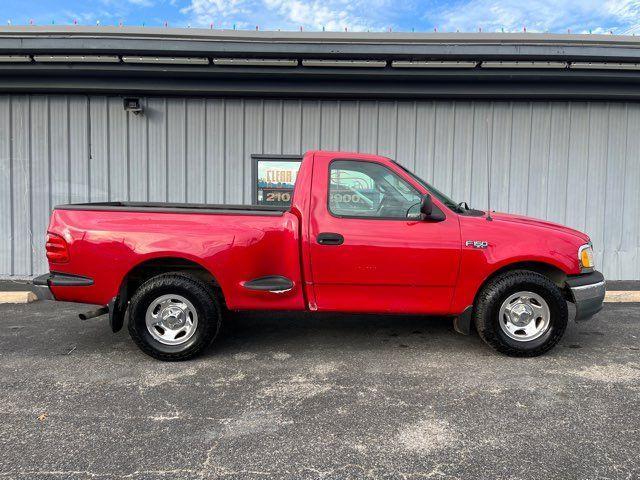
<point>106,245</point>
<point>386,266</point>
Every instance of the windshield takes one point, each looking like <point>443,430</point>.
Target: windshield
<point>434,191</point>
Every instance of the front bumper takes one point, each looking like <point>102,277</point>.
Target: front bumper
<point>587,293</point>
<point>44,282</point>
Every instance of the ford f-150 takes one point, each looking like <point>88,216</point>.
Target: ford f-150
<point>362,234</point>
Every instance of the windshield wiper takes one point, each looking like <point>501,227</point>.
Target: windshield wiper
<point>454,206</point>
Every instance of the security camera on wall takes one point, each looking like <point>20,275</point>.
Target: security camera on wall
<point>133,105</point>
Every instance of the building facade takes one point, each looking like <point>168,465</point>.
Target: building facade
<point>537,125</point>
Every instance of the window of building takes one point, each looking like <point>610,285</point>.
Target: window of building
<point>274,179</point>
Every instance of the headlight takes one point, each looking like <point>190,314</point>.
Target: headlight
<point>585,257</point>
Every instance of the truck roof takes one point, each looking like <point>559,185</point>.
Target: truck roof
<point>343,154</point>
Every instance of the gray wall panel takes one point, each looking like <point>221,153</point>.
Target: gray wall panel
<point>570,162</point>
<point>234,151</point>
<point>330,125</point>
<point>156,121</point>
<point>479,168</point>
<point>539,159</point>
<point>368,127</point>
<point>558,166</point>
<point>614,186</point>
<point>629,243</point>
<point>60,155</point>
<point>310,125</point>
<point>79,155</point>
<point>252,141</point>
<point>578,159</point>
<point>118,140</point>
<point>40,161</point>
<point>387,129</point>
<point>349,126</point>
<point>99,150</point>
<point>216,139</point>
<point>500,155</point>
<point>176,150</point>
<point>463,151</point>
<point>291,127</point>
<point>596,180</point>
<point>196,151</point>
<point>21,182</point>
<point>425,140</point>
<point>443,151</point>
<point>519,166</point>
<point>406,144</point>
<point>272,127</point>
<point>6,191</point>
<point>138,157</point>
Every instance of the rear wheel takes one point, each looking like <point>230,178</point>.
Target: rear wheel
<point>521,313</point>
<point>174,316</point>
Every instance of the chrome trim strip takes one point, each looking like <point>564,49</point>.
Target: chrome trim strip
<point>281,291</point>
<point>592,285</point>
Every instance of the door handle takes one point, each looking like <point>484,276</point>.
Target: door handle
<point>328,238</point>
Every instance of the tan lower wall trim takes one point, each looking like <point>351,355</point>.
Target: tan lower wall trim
<point>28,297</point>
<point>622,296</point>
<point>17,297</point>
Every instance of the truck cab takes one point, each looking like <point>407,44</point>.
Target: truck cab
<point>361,234</point>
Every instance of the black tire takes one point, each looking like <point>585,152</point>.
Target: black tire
<point>201,296</point>
<point>497,290</point>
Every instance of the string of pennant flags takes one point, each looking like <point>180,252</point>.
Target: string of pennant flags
<point>212,26</point>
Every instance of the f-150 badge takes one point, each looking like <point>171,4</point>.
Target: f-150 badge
<point>476,243</point>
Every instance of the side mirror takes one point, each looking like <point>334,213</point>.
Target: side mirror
<point>428,211</point>
<point>426,206</point>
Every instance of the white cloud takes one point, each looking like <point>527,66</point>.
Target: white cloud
<point>333,15</point>
<point>538,15</point>
<point>580,16</point>
<point>124,4</point>
<point>627,12</point>
<point>142,3</point>
<point>356,15</point>
<point>206,11</point>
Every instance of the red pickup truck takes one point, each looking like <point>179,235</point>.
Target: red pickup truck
<point>362,234</point>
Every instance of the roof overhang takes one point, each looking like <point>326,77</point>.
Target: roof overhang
<point>162,61</point>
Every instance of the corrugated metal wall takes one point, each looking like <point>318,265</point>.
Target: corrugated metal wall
<point>573,163</point>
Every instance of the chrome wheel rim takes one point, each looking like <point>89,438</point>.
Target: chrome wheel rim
<point>171,319</point>
<point>524,316</point>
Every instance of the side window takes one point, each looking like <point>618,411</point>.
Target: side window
<point>367,189</point>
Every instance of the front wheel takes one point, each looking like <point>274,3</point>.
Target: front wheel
<point>174,316</point>
<point>521,313</point>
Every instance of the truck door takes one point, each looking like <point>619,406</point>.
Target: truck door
<point>369,250</point>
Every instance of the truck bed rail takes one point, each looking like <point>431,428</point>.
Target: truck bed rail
<point>160,207</point>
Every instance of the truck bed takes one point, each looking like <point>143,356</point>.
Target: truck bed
<point>237,244</point>
<point>159,207</point>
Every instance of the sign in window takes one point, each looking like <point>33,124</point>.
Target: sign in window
<point>274,179</point>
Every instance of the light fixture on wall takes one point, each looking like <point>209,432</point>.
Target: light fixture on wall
<point>133,105</point>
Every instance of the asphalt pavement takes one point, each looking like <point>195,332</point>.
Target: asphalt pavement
<point>316,397</point>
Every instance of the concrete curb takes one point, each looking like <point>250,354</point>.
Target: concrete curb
<point>17,297</point>
<point>622,296</point>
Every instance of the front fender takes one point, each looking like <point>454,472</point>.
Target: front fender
<point>504,245</point>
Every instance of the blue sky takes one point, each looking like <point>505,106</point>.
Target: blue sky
<point>578,16</point>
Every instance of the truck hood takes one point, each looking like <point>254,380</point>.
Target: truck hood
<point>507,217</point>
